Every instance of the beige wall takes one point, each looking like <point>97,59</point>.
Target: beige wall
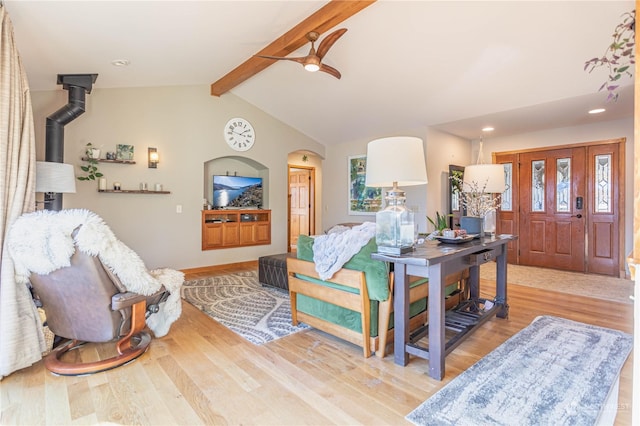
<point>186,125</point>
<point>441,149</point>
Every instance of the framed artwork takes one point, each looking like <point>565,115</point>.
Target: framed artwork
<point>124,152</point>
<point>363,200</point>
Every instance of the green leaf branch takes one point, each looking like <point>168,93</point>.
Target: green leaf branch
<point>91,169</point>
<point>619,56</point>
<point>440,223</point>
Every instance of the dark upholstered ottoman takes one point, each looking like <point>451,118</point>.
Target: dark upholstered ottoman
<point>272,270</point>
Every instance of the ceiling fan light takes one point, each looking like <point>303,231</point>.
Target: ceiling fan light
<point>312,64</point>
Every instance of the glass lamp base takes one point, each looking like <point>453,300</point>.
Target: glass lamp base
<point>395,250</point>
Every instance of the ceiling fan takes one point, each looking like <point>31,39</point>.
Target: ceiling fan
<point>313,61</point>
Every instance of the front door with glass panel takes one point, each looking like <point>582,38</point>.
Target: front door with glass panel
<point>552,220</point>
<point>566,207</point>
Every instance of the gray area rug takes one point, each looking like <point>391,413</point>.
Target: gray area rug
<point>553,372</point>
<point>239,302</point>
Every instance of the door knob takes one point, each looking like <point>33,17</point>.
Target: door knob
<point>577,215</point>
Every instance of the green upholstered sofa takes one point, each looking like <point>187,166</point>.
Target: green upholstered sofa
<point>358,297</point>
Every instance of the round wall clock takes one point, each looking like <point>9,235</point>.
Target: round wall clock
<point>239,134</point>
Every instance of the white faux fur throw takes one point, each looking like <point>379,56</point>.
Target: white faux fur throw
<point>41,242</point>
<point>332,251</point>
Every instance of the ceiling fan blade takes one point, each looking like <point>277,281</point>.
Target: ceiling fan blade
<point>330,70</point>
<point>328,41</point>
<point>298,60</point>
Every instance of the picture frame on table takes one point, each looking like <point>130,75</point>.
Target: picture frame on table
<point>363,200</point>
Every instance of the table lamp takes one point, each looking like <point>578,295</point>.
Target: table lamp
<point>489,178</point>
<point>394,161</point>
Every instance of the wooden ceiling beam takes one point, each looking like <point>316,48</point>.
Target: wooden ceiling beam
<point>325,18</point>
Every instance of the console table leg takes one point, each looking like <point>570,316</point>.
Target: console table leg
<point>436,321</point>
<point>474,282</point>
<point>401,314</point>
<point>501,282</point>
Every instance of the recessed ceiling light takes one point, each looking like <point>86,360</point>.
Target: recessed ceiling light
<point>120,62</point>
<point>597,111</point>
<point>488,129</point>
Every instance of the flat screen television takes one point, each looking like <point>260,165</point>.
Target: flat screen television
<point>237,192</point>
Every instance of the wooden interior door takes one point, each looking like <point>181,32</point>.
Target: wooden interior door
<point>552,219</point>
<point>300,205</point>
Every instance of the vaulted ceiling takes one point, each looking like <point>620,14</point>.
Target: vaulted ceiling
<point>456,66</point>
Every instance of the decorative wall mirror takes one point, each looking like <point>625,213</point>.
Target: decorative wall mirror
<point>455,206</point>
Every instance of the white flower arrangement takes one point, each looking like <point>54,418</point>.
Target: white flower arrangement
<point>474,199</point>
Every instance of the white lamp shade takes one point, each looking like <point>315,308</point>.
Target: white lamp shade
<point>55,177</point>
<point>395,159</point>
<point>487,178</point>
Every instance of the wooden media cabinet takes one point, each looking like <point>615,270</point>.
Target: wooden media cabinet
<point>235,228</point>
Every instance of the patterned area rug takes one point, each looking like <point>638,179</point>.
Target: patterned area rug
<point>239,302</point>
<point>555,371</point>
<point>589,285</point>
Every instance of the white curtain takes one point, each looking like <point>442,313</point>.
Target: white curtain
<point>21,338</point>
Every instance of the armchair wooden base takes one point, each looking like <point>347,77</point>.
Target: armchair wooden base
<point>129,347</point>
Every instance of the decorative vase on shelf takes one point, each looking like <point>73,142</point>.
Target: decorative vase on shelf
<point>473,225</point>
<point>93,153</point>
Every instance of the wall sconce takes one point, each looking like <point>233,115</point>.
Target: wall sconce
<point>153,158</point>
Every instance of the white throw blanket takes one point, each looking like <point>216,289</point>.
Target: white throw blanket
<point>41,242</point>
<point>332,251</point>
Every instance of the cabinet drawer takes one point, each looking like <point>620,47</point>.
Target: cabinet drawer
<point>481,257</point>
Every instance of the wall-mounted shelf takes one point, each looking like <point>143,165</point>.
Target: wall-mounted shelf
<point>132,191</point>
<point>104,160</point>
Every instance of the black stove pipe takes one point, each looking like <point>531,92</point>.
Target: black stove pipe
<point>77,85</point>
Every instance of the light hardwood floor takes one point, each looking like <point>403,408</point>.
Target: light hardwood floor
<point>203,373</point>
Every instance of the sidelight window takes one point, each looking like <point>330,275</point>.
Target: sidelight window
<point>563,185</point>
<point>507,196</point>
<point>603,183</point>
<point>537,186</point>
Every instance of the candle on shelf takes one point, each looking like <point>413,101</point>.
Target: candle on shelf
<point>158,187</point>
<point>102,184</point>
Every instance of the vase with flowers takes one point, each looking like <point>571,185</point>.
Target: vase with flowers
<point>482,187</point>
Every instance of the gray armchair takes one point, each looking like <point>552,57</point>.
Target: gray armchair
<point>85,302</point>
<point>92,287</point>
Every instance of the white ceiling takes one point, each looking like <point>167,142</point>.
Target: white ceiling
<point>452,65</point>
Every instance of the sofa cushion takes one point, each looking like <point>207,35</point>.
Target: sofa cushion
<point>346,317</point>
<point>376,272</point>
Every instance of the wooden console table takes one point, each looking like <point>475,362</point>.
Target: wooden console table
<point>436,261</point>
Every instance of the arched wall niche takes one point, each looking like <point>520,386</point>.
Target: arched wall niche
<point>234,165</point>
